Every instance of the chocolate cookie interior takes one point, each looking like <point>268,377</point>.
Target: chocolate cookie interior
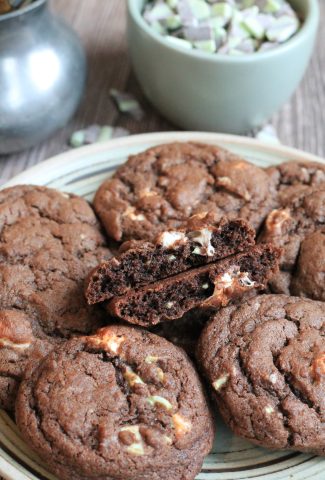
<point>210,286</point>
<point>172,253</point>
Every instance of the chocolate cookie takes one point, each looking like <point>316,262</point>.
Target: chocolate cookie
<point>172,252</point>
<point>122,403</point>
<point>265,361</point>
<point>291,177</point>
<point>49,242</point>
<point>184,332</point>
<point>160,188</point>
<point>299,228</point>
<point>210,286</point>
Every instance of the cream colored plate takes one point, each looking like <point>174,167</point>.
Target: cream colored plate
<point>81,171</point>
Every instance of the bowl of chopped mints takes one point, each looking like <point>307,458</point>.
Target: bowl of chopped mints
<point>223,66</point>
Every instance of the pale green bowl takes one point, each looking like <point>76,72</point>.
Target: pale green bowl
<point>212,92</point>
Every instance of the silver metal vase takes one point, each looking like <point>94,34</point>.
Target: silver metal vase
<point>42,76</point>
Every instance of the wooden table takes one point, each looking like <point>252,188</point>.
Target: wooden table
<point>101,26</point>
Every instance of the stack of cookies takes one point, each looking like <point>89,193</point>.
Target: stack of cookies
<point>98,391</point>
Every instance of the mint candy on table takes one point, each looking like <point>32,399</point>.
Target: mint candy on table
<point>127,103</point>
<point>231,27</point>
<point>96,134</point>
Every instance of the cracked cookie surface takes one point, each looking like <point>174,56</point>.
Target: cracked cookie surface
<point>298,227</point>
<point>122,403</point>
<point>49,242</point>
<point>294,176</point>
<point>163,186</point>
<point>264,361</point>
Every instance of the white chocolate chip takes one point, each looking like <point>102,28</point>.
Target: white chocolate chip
<point>246,281</point>
<point>220,382</point>
<point>130,213</point>
<point>227,284</point>
<point>169,304</point>
<point>273,378</point>
<point>131,377</point>
<point>4,342</point>
<point>109,341</point>
<point>151,359</point>
<point>169,239</point>
<point>227,279</point>
<point>171,258</point>
<point>114,343</point>
<point>65,195</point>
<point>276,219</point>
<point>224,181</point>
<point>205,286</point>
<point>132,429</point>
<point>160,374</point>
<point>135,448</point>
<point>156,399</point>
<point>181,425</point>
<point>203,238</point>
<point>268,409</point>
<point>168,440</point>
<point>146,192</point>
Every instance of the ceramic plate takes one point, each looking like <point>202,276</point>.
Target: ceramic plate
<point>81,171</point>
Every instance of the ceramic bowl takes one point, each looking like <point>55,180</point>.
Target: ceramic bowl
<point>214,92</point>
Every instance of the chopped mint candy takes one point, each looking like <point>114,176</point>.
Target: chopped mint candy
<point>222,12</point>
<point>231,27</point>
<point>96,134</point>
<point>172,23</point>
<point>127,103</point>
<point>159,11</point>
<point>248,3</point>
<point>266,46</point>
<point>179,42</point>
<point>172,3</point>
<point>282,29</point>
<point>200,9</point>
<point>157,26</point>
<point>248,45</point>
<point>272,6</point>
<point>77,139</point>
<point>198,34</point>
<point>206,45</point>
<point>219,33</point>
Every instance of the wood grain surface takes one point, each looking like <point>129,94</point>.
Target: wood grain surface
<point>101,26</point>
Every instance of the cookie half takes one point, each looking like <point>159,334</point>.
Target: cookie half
<point>171,253</point>
<point>122,403</point>
<point>162,187</point>
<point>265,362</point>
<point>210,286</point>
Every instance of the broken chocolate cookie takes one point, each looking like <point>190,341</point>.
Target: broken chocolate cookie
<point>171,253</point>
<point>211,286</point>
